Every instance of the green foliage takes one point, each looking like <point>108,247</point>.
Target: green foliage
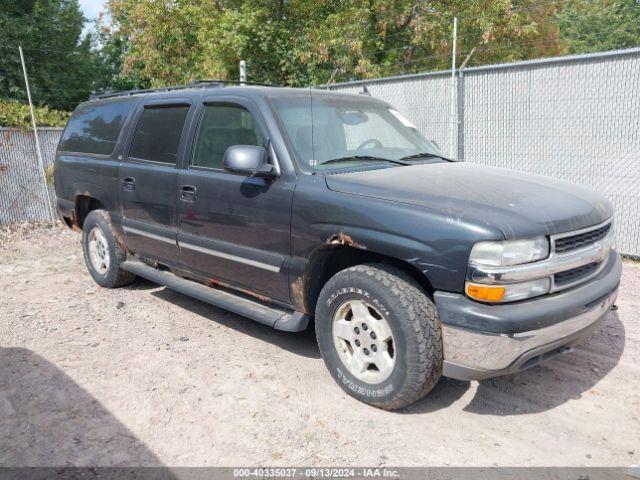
<point>595,26</point>
<point>62,66</point>
<point>49,175</point>
<point>299,42</point>
<point>16,114</point>
<point>289,42</point>
<point>110,51</point>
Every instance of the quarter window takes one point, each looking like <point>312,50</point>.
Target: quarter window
<point>94,127</point>
<point>222,126</point>
<point>157,137</point>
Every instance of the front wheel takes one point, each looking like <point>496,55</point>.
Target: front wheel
<point>379,335</point>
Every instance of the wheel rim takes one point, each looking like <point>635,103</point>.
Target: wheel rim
<point>364,341</point>
<point>99,251</point>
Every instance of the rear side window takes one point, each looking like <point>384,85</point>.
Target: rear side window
<point>94,128</point>
<point>157,137</point>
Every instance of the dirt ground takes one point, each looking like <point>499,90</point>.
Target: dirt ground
<point>145,376</point>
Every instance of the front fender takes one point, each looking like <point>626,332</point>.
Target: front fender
<point>433,243</point>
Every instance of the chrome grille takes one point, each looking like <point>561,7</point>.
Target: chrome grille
<point>572,245</point>
<point>575,242</point>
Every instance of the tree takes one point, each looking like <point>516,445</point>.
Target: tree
<point>290,42</point>
<point>594,26</point>
<point>110,51</point>
<point>298,42</point>
<point>381,37</point>
<point>59,59</point>
<point>161,38</point>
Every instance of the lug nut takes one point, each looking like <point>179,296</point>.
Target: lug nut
<point>373,335</point>
<point>357,343</point>
<point>357,330</point>
<point>366,351</point>
<point>364,327</point>
<point>374,348</point>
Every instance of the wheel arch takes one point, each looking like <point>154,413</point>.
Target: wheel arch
<point>83,204</point>
<point>328,260</point>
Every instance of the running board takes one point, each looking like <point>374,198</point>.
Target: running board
<point>276,317</point>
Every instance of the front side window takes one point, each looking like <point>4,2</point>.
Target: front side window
<point>94,127</point>
<point>222,126</point>
<point>157,137</point>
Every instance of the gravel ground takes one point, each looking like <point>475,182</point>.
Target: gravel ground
<point>145,376</point>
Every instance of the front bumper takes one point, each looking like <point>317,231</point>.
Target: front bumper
<point>483,341</point>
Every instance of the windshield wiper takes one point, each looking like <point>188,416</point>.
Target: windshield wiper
<point>426,155</point>
<point>367,158</point>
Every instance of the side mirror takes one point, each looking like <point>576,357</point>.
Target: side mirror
<point>250,160</point>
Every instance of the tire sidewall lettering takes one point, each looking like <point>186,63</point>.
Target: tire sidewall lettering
<point>361,389</point>
<point>338,294</point>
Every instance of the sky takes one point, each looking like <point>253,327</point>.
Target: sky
<point>91,8</point>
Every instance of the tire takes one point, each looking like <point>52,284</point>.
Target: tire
<point>97,234</point>
<point>412,364</point>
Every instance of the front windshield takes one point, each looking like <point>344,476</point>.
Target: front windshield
<point>329,131</point>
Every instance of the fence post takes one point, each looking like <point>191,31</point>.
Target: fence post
<point>461,105</point>
<point>453,89</point>
<point>460,115</point>
<point>35,134</point>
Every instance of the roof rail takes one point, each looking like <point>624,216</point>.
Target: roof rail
<point>205,82</point>
<point>194,84</point>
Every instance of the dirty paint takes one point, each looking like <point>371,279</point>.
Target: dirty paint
<point>74,220</point>
<point>297,289</point>
<point>118,235</point>
<point>215,283</point>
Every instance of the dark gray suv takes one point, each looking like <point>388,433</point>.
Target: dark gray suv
<point>287,205</point>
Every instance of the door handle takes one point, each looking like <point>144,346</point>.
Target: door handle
<point>129,183</point>
<point>188,193</point>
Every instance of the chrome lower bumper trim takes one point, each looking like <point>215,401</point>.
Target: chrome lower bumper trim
<point>492,354</point>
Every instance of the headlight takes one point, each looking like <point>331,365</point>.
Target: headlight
<point>508,292</point>
<point>511,252</point>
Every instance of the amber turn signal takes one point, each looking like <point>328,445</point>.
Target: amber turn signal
<point>486,293</point>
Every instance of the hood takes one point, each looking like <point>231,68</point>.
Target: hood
<point>516,203</point>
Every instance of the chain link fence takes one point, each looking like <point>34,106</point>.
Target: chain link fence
<point>21,194</point>
<point>572,118</point>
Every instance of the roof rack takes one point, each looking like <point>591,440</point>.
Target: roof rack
<point>193,84</point>
<point>204,82</point>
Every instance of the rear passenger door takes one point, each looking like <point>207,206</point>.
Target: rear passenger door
<point>233,228</point>
<point>148,180</point>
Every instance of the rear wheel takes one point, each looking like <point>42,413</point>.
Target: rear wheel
<point>379,335</point>
<point>102,254</point>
